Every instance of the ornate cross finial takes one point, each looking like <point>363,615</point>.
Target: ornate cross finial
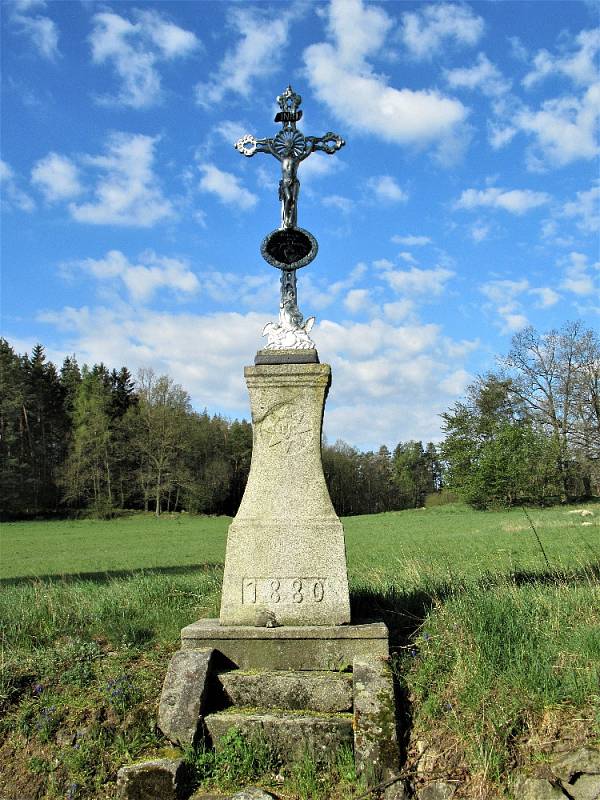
<point>290,247</point>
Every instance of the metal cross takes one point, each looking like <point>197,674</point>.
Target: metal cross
<point>289,147</point>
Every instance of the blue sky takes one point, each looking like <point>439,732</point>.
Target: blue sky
<point>463,206</point>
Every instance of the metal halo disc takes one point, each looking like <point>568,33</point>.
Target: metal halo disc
<point>289,143</point>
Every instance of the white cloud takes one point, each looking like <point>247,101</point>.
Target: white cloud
<point>226,187</point>
<point>386,189</point>
<point>258,53</point>
<point>12,196</point>
<point>359,301</point>
<point>577,276</point>
<point>564,129</point>
<point>134,49</point>
<point>500,135</point>
<point>57,177</point>
<point>585,210</point>
<point>483,75</point>
<point>127,193</point>
<point>426,31</point>
<point>417,281</point>
<point>342,78</point>
<point>579,65</point>
<point>407,257</point>
<point>373,364</point>
<point>504,300</point>
<point>411,241</point>
<point>398,310</point>
<point>479,231</point>
<point>343,204</point>
<point>41,30</point>
<point>143,278</point>
<point>515,201</point>
<point>547,297</point>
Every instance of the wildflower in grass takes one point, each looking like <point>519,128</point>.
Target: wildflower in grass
<point>426,636</point>
<point>414,652</point>
<point>121,693</point>
<point>38,689</point>
<point>72,791</point>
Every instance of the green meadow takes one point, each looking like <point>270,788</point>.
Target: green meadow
<point>494,620</point>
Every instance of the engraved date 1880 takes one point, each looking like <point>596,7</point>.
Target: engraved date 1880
<point>283,590</point>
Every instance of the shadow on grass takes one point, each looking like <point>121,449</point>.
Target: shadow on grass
<point>105,576</point>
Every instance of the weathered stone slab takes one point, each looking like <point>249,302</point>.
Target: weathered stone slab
<point>285,548</point>
<point>290,735</point>
<point>253,793</point>
<point>437,790</point>
<point>316,691</point>
<point>582,760</point>
<point>294,647</point>
<point>536,789</point>
<point>397,791</point>
<point>375,742</point>
<point>184,695</point>
<point>162,779</point>
<point>586,787</point>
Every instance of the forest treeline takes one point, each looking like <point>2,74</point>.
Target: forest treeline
<point>95,440</point>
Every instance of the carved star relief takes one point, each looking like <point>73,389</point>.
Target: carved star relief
<point>287,428</point>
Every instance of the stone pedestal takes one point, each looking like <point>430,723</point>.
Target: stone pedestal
<point>285,562</point>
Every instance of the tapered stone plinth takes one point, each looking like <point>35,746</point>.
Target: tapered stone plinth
<point>286,561</point>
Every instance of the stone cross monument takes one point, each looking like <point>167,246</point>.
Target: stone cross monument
<point>284,660</point>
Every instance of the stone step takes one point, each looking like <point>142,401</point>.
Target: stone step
<point>291,735</point>
<point>295,691</point>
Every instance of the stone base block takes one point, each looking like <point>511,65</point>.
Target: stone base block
<point>375,743</point>
<point>308,356</point>
<point>290,735</point>
<point>326,692</point>
<point>301,647</point>
<point>163,778</point>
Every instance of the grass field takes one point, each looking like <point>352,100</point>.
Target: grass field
<point>495,630</point>
<point>447,540</point>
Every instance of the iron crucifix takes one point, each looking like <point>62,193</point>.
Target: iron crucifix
<point>289,147</point>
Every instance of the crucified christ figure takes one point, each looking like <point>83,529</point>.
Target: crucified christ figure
<point>289,147</point>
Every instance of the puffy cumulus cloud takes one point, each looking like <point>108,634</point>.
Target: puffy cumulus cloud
<point>263,37</point>
<point>39,29</point>
<point>503,297</point>
<point>12,196</point>
<point>173,343</point>
<point>405,374</point>
<point>585,209</point>
<point>57,177</point>
<point>479,231</point>
<point>386,189</point>
<point>483,75</point>
<point>515,201</point>
<point>426,31</point>
<point>546,297</point>
<point>577,61</point>
<point>564,129</point>
<point>343,79</point>
<point>226,186</point>
<point>127,193</point>
<point>579,277</point>
<point>320,294</point>
<point>359,301</point>
<point>134,49</point>
<point>143,277</point>
<point>510,300</point>
<point>337,201</point>
<point>417,281</point>
<point>399,376</point>
<point>410,240</point>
